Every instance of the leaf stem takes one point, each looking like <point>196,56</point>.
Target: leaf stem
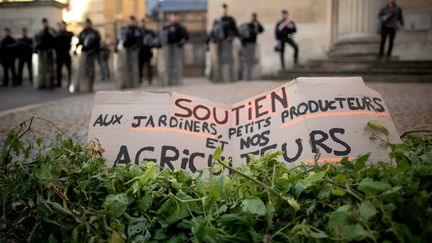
<point>416,131</point>
<point>266,187</point>
<point>279,231</point>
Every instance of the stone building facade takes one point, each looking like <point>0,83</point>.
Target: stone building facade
<point>107,15</point>
<point>19,14</point>
<point>333,27</point>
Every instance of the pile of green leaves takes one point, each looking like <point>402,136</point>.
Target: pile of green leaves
<point>63,194</point>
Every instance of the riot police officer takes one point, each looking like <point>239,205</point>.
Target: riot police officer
<point>25,53</point>
<point>248,34</point>
<point>284,32</point>
<point>145,53</point>
<point>45,45</point>
<point>170,65</point>
<point>89,39</point>
<point>63,57</point>
<point>7,56</point>
<point>223,32</point>
<point>131,41</point>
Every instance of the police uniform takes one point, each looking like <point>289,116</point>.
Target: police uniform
<point>89,39</point>
<point>131,37</point>
<point>284,30</point>
<point>7,56</point>
<point>170,64</point>
<point>63,57</point>
<point>146,54</point>
<point>45,45</point>
<point>223,32</point>
<point>25,53</point>
<point>248,33</point>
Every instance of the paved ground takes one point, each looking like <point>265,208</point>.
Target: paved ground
<point>409,103</point>
<point>18,96</point>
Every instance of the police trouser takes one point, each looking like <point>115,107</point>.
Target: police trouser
<point>132,71</point>
<point>8,65</point>
<point>147,64</point>
<point>104,68</point>
<point>170,65</point>
<point>45,78</point>
<point>63,58</point>
<point>25,61</point>
<point>294,45</point>
<point>224,70</point>
<point>86,72</point>
<point>249,60</point>
<point>391,33</point>
<point>145,61</point>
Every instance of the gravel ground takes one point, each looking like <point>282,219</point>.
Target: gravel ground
<point>410,105</point>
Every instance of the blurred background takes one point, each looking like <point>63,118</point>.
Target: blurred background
<point>327,29</point>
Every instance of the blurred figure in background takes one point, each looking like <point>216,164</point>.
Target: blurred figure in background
<point>131,36</point>
<point>89,39</point>
<point>25,53</point>
<point>284,32</point>
<point>248,34</point>
<point>145,53</point>
<point>390,16</point>
<point>173,37</point>
<point>45,45</point>
<point>63,57</point>
<point>223,32</point>
<point>103,59</point>
<point>7,56</point>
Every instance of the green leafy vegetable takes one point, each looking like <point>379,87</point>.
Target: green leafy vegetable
<point>61,192</point>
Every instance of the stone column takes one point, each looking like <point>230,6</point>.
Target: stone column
<point>356,30</point>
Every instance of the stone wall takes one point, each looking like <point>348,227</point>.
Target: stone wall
<point>414,41</point>
<point>29,17</point>
<point>19,15</point>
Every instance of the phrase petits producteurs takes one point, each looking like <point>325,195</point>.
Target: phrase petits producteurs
<point>246,117</point>
<point>255,109</point>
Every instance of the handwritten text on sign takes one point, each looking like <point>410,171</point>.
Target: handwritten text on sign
<point>300,118</point>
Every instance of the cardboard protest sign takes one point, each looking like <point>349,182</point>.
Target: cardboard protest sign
<point>301,118</point>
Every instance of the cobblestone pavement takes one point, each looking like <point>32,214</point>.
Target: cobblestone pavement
<point>410,105</point>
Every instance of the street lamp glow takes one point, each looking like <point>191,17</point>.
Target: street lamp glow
<point>77,10</point>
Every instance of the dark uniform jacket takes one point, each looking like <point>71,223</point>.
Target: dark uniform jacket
<point>25,48</point>
<point>7,49</point>
<point>89,39</point>
<point>148,42</point>
<point>254,29</point>
<point>45,39</point>
<point>64,43</point>
<point>177,34</point>
<point>224,28</point>
<point>283,32</point>
<point>132,37</point>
